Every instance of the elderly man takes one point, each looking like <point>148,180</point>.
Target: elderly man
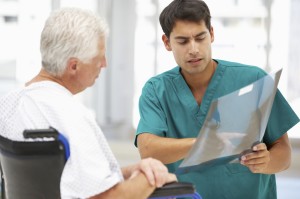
<point>73,54</point>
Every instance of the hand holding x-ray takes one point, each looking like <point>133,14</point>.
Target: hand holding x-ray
<point>234,124</point>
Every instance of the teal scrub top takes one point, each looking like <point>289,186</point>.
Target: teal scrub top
<point>168,109</point>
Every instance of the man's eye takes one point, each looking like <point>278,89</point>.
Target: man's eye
<point>182,42</point>
<point>200,38</point>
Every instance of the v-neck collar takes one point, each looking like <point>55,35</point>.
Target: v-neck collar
<point>186,96</point>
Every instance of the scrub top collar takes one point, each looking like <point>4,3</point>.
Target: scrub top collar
<point>185,94</point>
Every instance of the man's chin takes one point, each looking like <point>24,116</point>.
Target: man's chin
<point>93,82</point>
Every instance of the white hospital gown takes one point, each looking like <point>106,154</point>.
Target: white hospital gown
<point>91,168</point>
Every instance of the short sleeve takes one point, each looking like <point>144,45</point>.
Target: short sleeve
<point>282,118</point>
<point>91,168</point>
<point>152,116</point>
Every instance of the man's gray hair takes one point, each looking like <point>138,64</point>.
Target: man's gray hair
<point>70,33</point>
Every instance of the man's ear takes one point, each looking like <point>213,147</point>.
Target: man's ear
<point>72,65</point>
<point>212,34</point>
<point>166,41</point>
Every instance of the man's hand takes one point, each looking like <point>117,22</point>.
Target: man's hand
<point>258,159</point>
<point>155,171</point>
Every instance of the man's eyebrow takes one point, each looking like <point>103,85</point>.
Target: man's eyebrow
<point>198,35</point>
<point>181,37</point>
<point>201,34</point>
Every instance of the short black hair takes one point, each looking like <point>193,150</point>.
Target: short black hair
<point>186,10</point>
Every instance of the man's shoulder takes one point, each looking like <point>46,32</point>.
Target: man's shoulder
<point>37,93</point>
<point>11,97</point>
<point>165,76</point>
<point>242,70</point>
<point>240,67</point>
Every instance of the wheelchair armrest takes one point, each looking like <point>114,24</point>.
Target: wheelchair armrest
<point>173,189</point>
<point>49,133</point>
<point>41,133</point>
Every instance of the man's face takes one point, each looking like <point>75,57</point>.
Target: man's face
<point>190,43</point>
<point>89,72</point>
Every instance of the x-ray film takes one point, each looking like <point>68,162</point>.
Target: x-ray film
<point>234,123</point>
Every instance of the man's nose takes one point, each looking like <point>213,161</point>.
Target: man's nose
<point>193,48</point>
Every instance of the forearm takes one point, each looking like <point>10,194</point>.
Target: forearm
<point>167,150</point>
<point>280,156</point>
<point>133,188</point>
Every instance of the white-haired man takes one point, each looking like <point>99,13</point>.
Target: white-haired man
<point>73,54</point>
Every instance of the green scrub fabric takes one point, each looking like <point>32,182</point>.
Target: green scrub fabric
<point>168,109</point>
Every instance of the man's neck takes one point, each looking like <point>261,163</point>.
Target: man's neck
<point>44,76</point>
<point>201,80</point>
<point>199,83</point>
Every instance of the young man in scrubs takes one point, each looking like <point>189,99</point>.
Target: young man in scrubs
<point>174,104</point>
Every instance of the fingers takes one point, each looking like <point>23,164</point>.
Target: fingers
<point>160,172</point>
<point>161,175</point>
<point>148,171</point>
<point>259,147</point>
<point>171,178</point>
<point>156,172</point>
<point>257,160</point>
